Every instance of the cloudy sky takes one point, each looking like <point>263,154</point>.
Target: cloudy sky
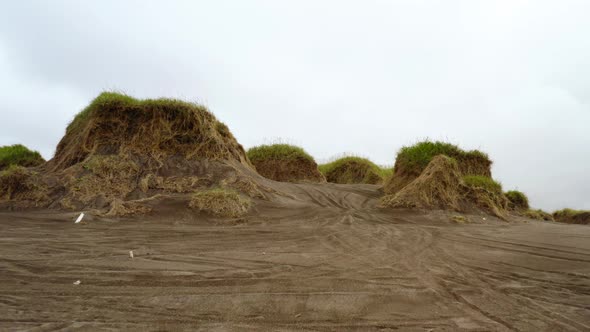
<point>509,77</point>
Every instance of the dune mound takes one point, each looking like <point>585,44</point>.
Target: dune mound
<point>441,186</point>
<point>153,129</point>
<point>438,187</point>
<point>120,153</point>
<point>349,170</point>
<point>412,160</point>
<point>571,216</point>
<point>285,163</point>
<point>19,155</point>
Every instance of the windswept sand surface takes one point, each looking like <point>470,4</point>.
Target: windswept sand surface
<point>329,261</point>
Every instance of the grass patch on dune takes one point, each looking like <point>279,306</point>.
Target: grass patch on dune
<point>352,169</point>
<point>220,203</point>
<point>571,216</point>
<point>420,154</point>
<point>479,181</point>
<point>518,200</point>
<point>120,101</point>
<point>277,152</point>
<point>19,154</point>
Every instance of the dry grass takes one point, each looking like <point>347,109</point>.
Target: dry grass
<point>220,203</point>
<point>538,214</point>
<point>117,124</point>
<point>438,187</point>
<point>19,183</point>
<point>412,160</point>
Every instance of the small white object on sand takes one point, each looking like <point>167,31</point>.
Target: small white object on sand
<point>76,283</point>
<point>79,218</point>
<point>131,253</point>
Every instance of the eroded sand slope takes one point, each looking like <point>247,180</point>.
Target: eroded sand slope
<point>322,259</point>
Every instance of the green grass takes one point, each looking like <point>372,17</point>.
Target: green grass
<point>19,155</point>
<point>347,170</point>
<point>518,199</point>
<point>277,152</point>
<point>419,155</point>
<point>115,100</point>
<point>478,181</point>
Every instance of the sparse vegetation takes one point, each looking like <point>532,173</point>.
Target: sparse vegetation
<point>571,216</point>
<point>518,200</point>
<point>538,214</point>
<point>220,203</point>
<point>352,169</point>
<point>284,162</point>
<point>459,219</point>
<point>19,154</point>
<point>487,183</point>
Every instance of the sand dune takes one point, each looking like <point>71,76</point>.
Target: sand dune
<point>320,257</point>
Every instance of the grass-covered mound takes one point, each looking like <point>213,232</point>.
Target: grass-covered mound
<point>442,186</point>
<point>438,187</point>
<point>412,160</point>
<point>221,203</point>
<point>20,155</point>
<point>518,200</point>
<point>117,124</point>
<point>570,216</point>
<point>121,152</point>
<point>285,163</point>
<point>351,169</point>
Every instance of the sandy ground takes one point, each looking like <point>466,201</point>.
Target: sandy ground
<point>328,261</point>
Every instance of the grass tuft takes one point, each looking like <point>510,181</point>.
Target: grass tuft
<point>479,181</point>
<point>19,155</point>
<point>220,203</point>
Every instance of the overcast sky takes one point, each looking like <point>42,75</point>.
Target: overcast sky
<point>509,77</point>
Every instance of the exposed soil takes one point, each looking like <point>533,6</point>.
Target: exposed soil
<point>319,257</point>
